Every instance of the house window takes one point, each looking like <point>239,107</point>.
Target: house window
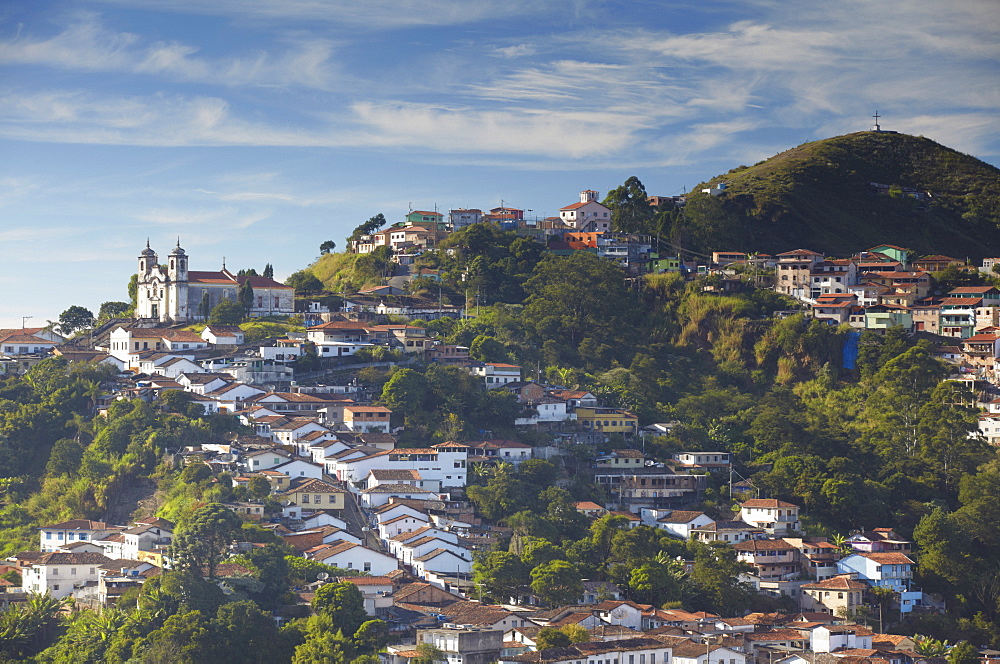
<point>305,498</point>
<point>368,567</point>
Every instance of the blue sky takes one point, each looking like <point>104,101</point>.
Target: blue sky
<point>256,129</point>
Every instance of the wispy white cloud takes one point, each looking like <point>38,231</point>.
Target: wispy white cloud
<point>515,51</point>
<point>13,189</point>
<point>86,44</point>
<point>230,217</point>
<point>568,133</point>
<point>362,16</point>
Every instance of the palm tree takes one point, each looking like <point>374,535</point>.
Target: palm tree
<point>840,541</point>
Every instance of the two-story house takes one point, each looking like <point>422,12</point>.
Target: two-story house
<point>886,570</point>
<point>775,517</point>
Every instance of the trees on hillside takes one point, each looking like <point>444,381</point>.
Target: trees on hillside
<point>203,542</point>
<point>366,228</point>
<point>75,318</point>
<point>227,312</point>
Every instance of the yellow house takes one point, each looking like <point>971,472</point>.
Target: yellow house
<point>314,494</point>
<point>607,420</point>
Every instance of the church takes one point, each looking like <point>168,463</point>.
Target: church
<point>173,294</point>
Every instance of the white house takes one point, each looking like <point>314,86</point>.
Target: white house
<point>702,460</point>
<point>76,530</point>
<point>588,214</point>
<point>442,561</point>
<point>403,523</point>
<point>828,638</point>
<point>497,374</point>
<point>203,383</point>
<point>291,430</point>
<point>444,462</point>
<point>678,523</point>
<point>508,451</point>
<point>638,650</point>
<point>264,460</point>
<point>348,555</point>
<point>379,476</point>
<point>691,652</point>
<point>381,494</point>
<point>232,397</point>
<point>545,411</point>
<point>226,335</point>
<point>61,574</point>
<point>395,509</point>
<point>322,518</point>
<point>775,517</point>
<point>300,468</point>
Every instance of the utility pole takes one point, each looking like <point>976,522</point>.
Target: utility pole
<point>24,318</point>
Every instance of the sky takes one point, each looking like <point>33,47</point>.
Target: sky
<point>253,130</point>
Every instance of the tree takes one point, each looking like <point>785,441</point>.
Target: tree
<point>487,349</point>
<point>75,318</point>
<point>226,312</point>
<point>557,583</point>
<point>205,306</point>
<point>578,298</point>
<point>344,604</point>
<point>404,392</point>
<point>250,635</point>
<point>111,310</point>
<point>65,458</point>
<point>258,487</point>
<point>501,575</point>
<point>268,271</point>
<point>550,637</point>
<point>630,208</point>
<point>184,637</point>
<point>428,653</point>
<point>133,289</point>
<point>372,636</point>
<point>304,281</point>
<point>327,246</point>
<point>367,228</point>
<point>246,298</point>
<point>576,633</point>
<point>204,540</point>
<point>963,653</point>
<point>716,583</point>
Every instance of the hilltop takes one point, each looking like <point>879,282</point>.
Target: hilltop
<point>820,195</point>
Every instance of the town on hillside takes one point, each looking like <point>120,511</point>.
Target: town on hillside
<point>317,463</point>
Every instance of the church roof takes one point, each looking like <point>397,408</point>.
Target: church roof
<point>200,277</point>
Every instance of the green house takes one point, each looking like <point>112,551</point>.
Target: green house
<point>900,254</point>
<point>433,221</point>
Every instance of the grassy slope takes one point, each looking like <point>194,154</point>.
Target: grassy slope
<point>340,273</point>
<point>817,196</point>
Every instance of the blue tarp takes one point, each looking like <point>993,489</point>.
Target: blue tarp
<point>851,349</point>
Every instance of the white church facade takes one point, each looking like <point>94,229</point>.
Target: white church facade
<point>172,293</point>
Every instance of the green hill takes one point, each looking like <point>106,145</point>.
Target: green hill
<point>819,196</point>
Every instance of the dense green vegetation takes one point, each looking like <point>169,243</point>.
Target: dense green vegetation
<point>818,196</point>
<point>883,444</point>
